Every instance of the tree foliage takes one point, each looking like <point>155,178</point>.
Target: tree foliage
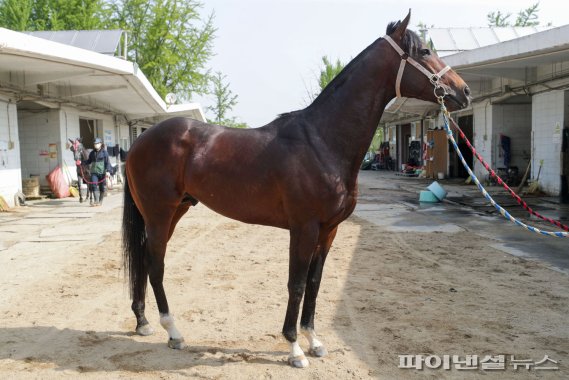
<point>32,15</point>
<point>169,42</point>
<point>329,71</point>
<point>498,19</point>
<point>167,38</point>
<point>526,17</point>
<point>225,100</point>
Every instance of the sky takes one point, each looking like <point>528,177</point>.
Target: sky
<point>271,50</point>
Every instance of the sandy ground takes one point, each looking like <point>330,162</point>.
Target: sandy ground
<point>65,311</point>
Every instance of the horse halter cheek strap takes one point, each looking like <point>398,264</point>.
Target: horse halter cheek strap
<point>433,78</point>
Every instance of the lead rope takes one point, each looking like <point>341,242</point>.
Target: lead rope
<point>500,209</point>
<point>493,174</point>
<point>435,81</point>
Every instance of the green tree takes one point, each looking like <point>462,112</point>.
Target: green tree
<point>526,17</point>
<point>15,14</point>
<point>32,15</point>
<point>498,19</point>
<point>225,100</point>
<point>169,42</point>
<point>329,71</point>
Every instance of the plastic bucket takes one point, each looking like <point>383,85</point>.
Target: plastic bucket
<point>428,197</point>
<point>437,190</point>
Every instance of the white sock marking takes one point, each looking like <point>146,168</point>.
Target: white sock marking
<point>313,341</point>
<point>167,322</point>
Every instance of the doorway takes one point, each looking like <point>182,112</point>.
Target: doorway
<point>456,169</point>
<point>403,146</point>
<point>564,195</point>
<point>87,132</point>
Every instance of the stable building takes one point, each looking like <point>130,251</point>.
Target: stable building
<point>55,86</point>
<point>520,109</point>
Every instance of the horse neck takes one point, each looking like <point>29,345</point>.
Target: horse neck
<point>346,119</point>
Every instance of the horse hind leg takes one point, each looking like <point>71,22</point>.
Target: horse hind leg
<point>158,233</point>
<point>138,304</point>
<point>180,211</point>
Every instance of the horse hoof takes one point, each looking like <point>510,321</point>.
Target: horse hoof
<point>318,352</point>
<point>144,330</point>
<point>298,361</point>
<point>176,344</point>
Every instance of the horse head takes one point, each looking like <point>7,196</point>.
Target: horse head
<point>429,78</point>
<point>77,148</point>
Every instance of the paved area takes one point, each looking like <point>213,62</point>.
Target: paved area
<point>393,201</point>
<point>59,222</point>
<point>385,199</point>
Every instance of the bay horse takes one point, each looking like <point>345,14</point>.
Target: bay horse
<point>83,171</point>
<point>298,172</point>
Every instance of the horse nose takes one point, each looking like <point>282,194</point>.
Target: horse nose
<point>467,91</point>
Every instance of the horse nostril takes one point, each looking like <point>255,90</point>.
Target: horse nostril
<point>466,91</point>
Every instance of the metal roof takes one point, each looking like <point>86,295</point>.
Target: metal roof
<point>448,41</point>
<point>38,70</point>
<point>100,41</point>
<point>510,58</point>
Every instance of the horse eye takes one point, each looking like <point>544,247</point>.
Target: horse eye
<point>425,52</point>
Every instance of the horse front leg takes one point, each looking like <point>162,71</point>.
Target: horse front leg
<point>303,242</point>
<point>312,286</point>
<point>157,238</point>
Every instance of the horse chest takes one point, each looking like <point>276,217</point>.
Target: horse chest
<point>339,205</point>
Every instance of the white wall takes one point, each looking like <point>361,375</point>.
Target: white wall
<point>482,136</point>
<point>10,175</point>
<point>40,142</point>
<point>547,123</point>
<point>56,126</point>
<point>514,121</point>
<point>105,123</point>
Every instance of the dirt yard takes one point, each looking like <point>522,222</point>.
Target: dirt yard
<point>65,312</point>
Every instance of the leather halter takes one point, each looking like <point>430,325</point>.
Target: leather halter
<point>433,78</point>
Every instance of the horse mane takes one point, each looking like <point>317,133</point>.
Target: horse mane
<point>411,44</point>
<point>411,41</point>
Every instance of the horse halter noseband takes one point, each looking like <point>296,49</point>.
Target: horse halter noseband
<point>433,78</point>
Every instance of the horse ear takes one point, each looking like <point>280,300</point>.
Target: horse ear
<point>71,141</point>
<point>401,27</point>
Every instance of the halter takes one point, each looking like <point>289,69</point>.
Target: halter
<point>433,78</point>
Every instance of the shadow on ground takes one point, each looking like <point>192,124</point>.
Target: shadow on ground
<point>96,351</point>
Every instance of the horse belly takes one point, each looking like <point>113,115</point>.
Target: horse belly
<point>240,200</point>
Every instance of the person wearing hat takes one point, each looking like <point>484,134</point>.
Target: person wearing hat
<point>100,165</point>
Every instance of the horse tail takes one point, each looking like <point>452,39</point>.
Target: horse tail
<point>133,243</point>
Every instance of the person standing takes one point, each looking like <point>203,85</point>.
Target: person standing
<point>100,167</point>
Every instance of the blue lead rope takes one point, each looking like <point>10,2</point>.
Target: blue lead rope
<point>501,210</point>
